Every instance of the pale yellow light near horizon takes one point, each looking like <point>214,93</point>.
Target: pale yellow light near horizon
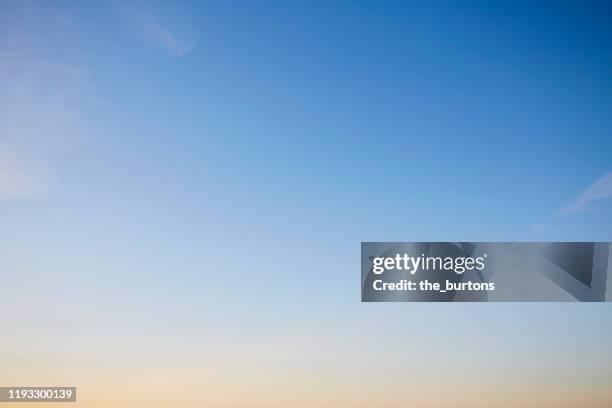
<point>279,385</point>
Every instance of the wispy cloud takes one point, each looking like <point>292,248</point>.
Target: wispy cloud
<point>167,40</point>
<point>177,41</point>
<point>18,178</point>
<point>42,76</point>
<point>600,189</point>
<point>538,227</point>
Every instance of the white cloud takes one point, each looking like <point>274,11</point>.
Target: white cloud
<point>538,227</point>
<point>177,41</point>
<point>167,40</point>
<point>42,77</point>
<point>19,179</point>
<point>600,189</point>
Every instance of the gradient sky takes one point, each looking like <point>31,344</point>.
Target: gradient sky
<point>184,187</point>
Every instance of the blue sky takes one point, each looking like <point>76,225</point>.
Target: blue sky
<point>223,161</point>
<point>397,122</point>
<point>393,121</point>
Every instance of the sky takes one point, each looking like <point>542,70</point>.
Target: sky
<point>184,187</point>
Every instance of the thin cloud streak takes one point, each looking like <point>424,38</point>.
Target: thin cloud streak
<point>600,189</point>
<point>167,40</point>
<point>538,227</point>
<point>148,26</point>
